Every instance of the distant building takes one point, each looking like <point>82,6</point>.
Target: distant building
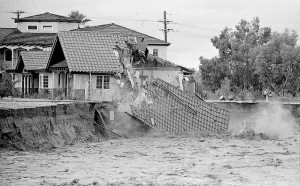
<point>155,46</point>
<point>46,23</point>
<point>28,69</point>
<point>32,33</point>
<point>38,32</point>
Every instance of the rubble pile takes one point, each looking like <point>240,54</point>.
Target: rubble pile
<point>251,135</point>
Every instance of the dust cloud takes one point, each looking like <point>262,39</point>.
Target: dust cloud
<point>270,118</point>
<point>275,120</point>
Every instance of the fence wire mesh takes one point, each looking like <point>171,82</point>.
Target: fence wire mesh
<point>176,111</point>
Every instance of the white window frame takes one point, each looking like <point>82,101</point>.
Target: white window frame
<point>32,29</point>
<point>103,82</point>
<point>155,52</point>
<point>47,27</point>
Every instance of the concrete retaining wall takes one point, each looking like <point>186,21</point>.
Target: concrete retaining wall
<point>243,113</point>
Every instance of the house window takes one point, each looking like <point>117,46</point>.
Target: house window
<point>102,82</point>
<point>8,55</point>
<point>47,27</point>
<point>45,81</point>
<point>32,27</point>
<point>155,52</point>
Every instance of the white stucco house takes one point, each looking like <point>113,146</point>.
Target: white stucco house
<point>35,32</point>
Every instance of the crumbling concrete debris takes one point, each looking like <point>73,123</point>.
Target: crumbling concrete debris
<point>251,135</point>
<point>176,111</point>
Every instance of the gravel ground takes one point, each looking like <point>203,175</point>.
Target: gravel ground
<point>159,160</point>
<point>16,103</point>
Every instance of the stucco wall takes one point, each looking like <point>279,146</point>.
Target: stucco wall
<point>56,27</point>
<point>81,84</point>
<point>80,80</point>
<point>245,113</point>
<point>23,27</point>
<point>18,80</point>
<point>162,50</point>
<point>54,77</point>
<point>170,76</point>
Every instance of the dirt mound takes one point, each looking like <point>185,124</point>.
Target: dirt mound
<point>45,128</point>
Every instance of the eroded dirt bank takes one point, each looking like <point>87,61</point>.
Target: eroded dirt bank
<point>43,128</point>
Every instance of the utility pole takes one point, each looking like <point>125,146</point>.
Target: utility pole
<point>166,30</point>
<point>18,13</point>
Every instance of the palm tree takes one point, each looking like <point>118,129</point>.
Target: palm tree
<point>75,14</point>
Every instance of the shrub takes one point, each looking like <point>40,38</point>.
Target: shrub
<point>6,85</point>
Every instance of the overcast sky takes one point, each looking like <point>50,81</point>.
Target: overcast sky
<point>195,22</point>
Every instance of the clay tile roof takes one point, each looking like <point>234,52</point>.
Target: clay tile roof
<point>18,38</point>
<point>35,60</point>
<point>91,51</point>
<point>117,29</point>
<point>47,17</point>
<point>6,31</point>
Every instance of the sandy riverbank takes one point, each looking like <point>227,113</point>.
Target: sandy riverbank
<point>159,160</point>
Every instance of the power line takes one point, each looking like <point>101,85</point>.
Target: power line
<point>123,19</point>
<point>166,22</point>
<point>18,13</point>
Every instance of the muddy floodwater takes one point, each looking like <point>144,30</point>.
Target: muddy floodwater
<point>158,160</point>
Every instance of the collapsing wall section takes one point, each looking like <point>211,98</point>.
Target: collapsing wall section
<point>175,111</point>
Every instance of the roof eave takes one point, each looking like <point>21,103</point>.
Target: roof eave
<point>159,44</point>
<point>95,72</point>
<point>160,68</point>
<point>46,20</point>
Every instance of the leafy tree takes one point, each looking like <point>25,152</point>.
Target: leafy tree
<point>75,14</point>
<point>6,85</point>
<point>235,46</point>
<point>235,49</point>
<point>254,58</point>
<point>213,72</point>
<point>278,63</point>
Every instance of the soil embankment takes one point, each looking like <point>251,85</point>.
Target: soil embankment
<point>43,128</point>
<point>47,127</point>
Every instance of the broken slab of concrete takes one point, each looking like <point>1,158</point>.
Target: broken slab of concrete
<point>175,111</point>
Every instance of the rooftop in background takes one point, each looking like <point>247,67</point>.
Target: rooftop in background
<point>120,30</point>
<point>6,31</point>
<point>19,38</point>
<point>46,17</point>
<point>35,60</point>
